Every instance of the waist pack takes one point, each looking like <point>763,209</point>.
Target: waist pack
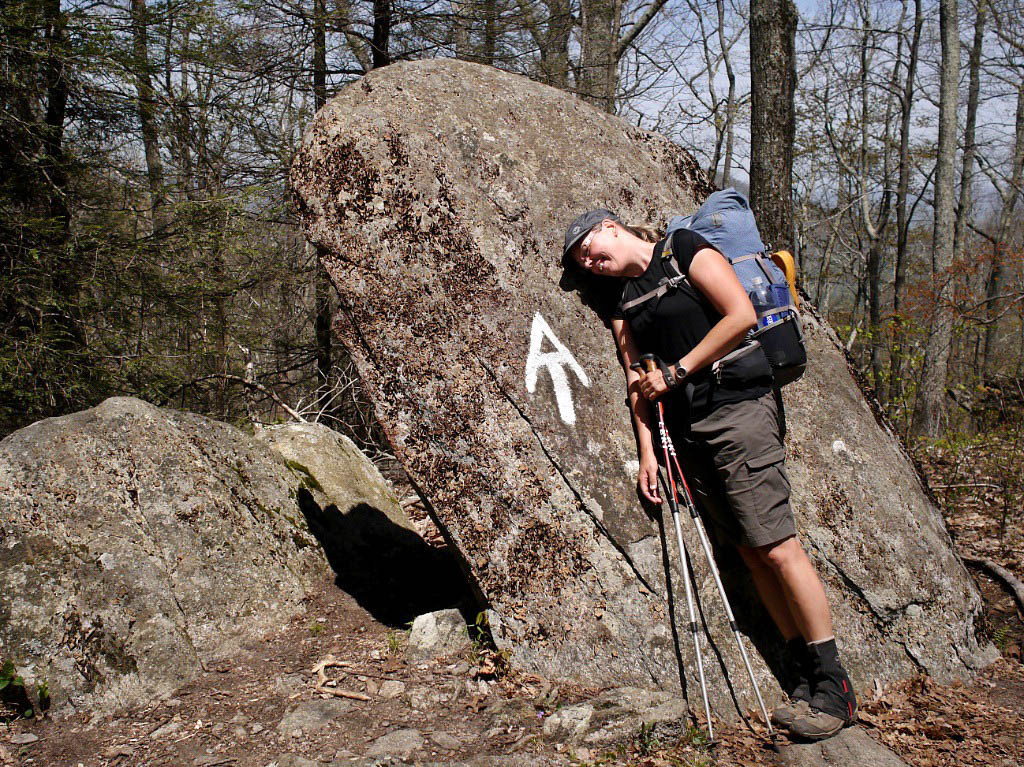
<point>727,223</point>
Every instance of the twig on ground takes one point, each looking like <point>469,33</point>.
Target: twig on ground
<point>969,484</point>
<point>325,685</point>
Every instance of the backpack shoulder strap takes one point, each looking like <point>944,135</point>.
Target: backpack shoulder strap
<point>667,283</point>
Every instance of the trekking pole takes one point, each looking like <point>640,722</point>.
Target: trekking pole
<point>673,505</point>
<point>706,545</point>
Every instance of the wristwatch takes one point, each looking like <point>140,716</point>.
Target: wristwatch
<point>680,375</point>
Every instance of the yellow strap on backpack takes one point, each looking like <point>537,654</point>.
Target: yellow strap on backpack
<point>784,260</point>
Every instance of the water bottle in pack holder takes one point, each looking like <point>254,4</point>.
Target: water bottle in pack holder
<point>764,302</point>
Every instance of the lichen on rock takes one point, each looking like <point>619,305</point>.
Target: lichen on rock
<point>139,544</point>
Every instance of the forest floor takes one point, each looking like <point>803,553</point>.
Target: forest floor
<point>260,708</point>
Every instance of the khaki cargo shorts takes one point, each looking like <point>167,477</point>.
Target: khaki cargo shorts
<point>733,461</point>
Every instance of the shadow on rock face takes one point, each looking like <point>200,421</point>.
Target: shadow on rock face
<point>600,294</point>
<point>392,572</point>
<point>752,618</point>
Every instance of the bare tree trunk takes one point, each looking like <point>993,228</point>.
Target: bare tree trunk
<point>772,122</point>
<point>551,36</point>
<point>710,72</point>
<point>319,53</point>
<point>57,59</point>
<point>381,33</point>
<point>460,26</point>
<point>963,207</point>
<point>146,108</point>
<point>966,201</point>
<point>356,42</point>
<point>556,52</point>
<point>1010,194</point>
<point>599,79</point>
<point>490,46</point>
<point>321,281</point>
<point>730,103</point>
<point>877,229</point>
<point>65,271</point>
<point>930,413</point>
<point>902,192</point>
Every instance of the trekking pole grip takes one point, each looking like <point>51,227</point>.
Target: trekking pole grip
<point>647,362</point>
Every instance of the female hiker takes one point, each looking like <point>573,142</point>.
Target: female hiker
<point>725,427</point>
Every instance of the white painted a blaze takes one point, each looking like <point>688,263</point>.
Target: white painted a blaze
<point>555,361</point>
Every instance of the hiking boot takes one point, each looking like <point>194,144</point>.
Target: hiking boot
<point>817,725</point>
<point>800,698</point>
<point>783,716</point>
<point>834,705</point>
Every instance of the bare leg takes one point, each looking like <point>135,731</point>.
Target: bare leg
<point>773,596</point>
<point>804,592</point>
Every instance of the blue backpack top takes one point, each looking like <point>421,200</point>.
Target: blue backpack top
<point>726,221</point>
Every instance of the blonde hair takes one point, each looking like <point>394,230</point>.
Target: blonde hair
<point>645,233</point>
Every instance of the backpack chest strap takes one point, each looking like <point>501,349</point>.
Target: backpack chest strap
<point>666,284</point>
<point>664,287</point>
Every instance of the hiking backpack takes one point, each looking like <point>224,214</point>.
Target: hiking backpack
<point>727,223</point>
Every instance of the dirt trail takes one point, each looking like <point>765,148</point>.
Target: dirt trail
<point>261,705</point>
<point>260,708</point>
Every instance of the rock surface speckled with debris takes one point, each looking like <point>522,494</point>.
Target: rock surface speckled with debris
<point>437,193</point>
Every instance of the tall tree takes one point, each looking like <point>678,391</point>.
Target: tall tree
<point>602,47</point>
<point>772,117</point>
<point>461,30</point>
<point>146,109</point>
<point>903,218</point>
<point>381,33</point>
<point>549,26</point>
<point>963,206</point>
<point>321,280</point>
<point>1010,193</point>
<point>930,410</point>
<point>598,72</point>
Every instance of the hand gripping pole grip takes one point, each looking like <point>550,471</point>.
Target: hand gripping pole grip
<point>647,362</point>
<point>650,363</point>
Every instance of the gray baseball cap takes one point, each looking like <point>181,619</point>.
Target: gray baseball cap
<point>578,229</point>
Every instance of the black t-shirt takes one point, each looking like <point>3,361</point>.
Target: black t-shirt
<point>672,324</point>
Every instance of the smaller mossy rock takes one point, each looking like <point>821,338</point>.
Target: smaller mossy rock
<point>137,544</point>
<point>375,552</point>
<point>333,469</point>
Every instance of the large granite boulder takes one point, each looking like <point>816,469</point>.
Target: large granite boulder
<point>139,545</point>
<point>438,193</point>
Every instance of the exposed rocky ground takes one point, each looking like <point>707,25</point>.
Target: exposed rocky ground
<point>261,708</point>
